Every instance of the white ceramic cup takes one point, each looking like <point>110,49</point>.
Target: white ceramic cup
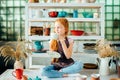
<point>95,76</point>
<point>39,13</point>
<point>54,36</point>
<point>81,77</point>
<point>95,15</point>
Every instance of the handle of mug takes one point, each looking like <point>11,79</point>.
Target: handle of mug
<point>13,73</point>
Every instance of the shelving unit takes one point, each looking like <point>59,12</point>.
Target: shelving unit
<point>97,22</point>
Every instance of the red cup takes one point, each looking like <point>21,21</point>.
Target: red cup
<point>18,73</point>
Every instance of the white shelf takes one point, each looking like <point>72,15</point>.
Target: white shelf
<point>73,37</point>
<point>86,37</point>
<point>65,5</point>
<point>76,56</point>
<point>69,19</point>
<point>35,55</point>
<point>31,19</point>
<point>39,54</point>
<point>99,26</point>
<point>39,37</point>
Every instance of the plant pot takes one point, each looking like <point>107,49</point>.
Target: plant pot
<point>18,64</point>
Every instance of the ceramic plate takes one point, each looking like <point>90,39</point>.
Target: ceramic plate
<point>53,54</point>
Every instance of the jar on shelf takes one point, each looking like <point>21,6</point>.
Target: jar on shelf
<point>46,30</point>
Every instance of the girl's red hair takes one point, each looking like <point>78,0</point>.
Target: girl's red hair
<point>65,23</point>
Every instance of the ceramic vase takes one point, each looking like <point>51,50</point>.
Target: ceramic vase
<point>104,66</point>
<point>18,64</point>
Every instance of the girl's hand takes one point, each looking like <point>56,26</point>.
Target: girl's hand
<point>62,40</point>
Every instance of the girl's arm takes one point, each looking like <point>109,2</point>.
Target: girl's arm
<point>67,51</point>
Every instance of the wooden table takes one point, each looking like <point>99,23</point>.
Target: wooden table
<point>7,75</point>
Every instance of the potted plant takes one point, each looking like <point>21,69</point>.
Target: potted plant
<point>105,52</point>
<point>105,49</point>
<point>21,50</point>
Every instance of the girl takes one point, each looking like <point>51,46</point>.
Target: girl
<point>64,65</point>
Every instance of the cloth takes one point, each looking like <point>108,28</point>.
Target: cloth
<point>50,71</point>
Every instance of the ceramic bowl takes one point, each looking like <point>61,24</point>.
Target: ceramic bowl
<point>53,14</point>
<point>77,32</point>
<point>87,14</point>
<point>62,14</point>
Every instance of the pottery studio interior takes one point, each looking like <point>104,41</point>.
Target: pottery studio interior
<point>28,26</point>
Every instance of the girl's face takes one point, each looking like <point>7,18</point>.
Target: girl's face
<point>59,28</point>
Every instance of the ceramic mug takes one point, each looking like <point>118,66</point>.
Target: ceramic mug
<point>75,14</point>
<point>81,77</point>
<point>95,77</point>
<point>18,73</point>
<point>95,15</point>
<point>39,14</point>
<point>38,45</point>
<point>54,36</point>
